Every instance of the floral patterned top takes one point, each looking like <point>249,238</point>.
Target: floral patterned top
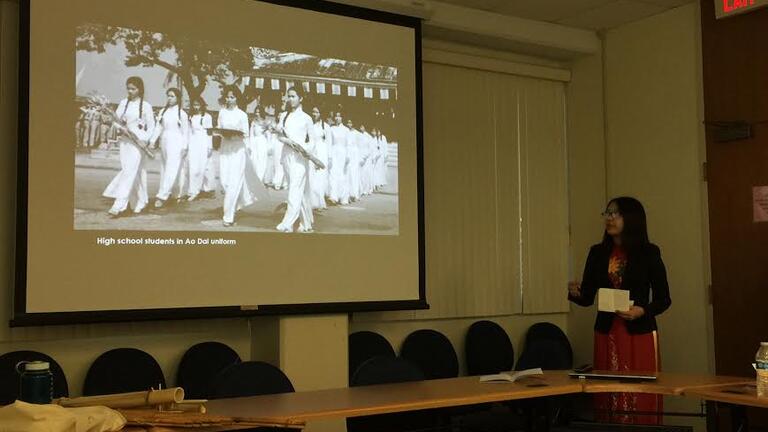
<point>616,266</point>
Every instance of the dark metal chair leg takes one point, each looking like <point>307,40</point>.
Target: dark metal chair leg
<point>713,416</point>
<point>739,421</point>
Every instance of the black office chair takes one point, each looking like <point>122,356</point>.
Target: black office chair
<point>250,378</point>
<point>9,378</point>
<point>365,345</point>
<point>432,352</point>
<point>386,370</point>
<point>123,370</point>
<point>200,365</point>
<point>547,347</point>
<point>488,349</point>
<point>545,331</point>
<point>545,354</point>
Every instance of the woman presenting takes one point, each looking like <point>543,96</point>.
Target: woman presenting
<point>626,340</point>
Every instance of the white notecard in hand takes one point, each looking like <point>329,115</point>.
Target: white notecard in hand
<point>611,300</point>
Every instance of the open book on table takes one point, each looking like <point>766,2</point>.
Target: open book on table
<point>510,376</point>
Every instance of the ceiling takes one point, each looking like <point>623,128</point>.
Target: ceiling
<point>587,14</point>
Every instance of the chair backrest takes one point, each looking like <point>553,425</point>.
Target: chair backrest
<point>548,355</point>
<point>365,345</point>
<point>431,352</point>
<point>545,331</point>
<point>250,378</point>
<point>385,370</point>
<point>200,365</point>
<point>123,370</point>
<point>9,378</point>
<point>488,349</point>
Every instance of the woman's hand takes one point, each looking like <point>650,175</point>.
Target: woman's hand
<point>633,313</point>
<point>574,289</point>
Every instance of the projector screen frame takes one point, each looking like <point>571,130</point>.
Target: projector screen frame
<point>22,318</point>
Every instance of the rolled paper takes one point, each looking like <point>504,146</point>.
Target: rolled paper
<point>127,400</point>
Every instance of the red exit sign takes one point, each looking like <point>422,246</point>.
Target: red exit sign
<point>726,8</point>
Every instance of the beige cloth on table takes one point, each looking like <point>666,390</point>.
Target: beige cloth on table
<point>26,417</point>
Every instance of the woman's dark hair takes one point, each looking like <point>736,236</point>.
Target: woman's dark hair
<point>176,92</point>
<point>298,90</point>
<point>139,84</point>
<point>635,232</point>
<point>203,108</point>
<point>235,91</point>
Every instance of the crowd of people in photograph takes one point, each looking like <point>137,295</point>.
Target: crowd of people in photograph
<point>321,158</point>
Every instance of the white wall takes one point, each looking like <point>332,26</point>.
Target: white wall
<point>654,149</point>
<point>655,152</point>
<point>587,186</point>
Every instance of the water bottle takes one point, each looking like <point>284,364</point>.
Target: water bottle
<point>761,365</point>
<point>36,383</point>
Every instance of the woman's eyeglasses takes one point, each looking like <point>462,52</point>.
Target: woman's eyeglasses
<point>610,214</point>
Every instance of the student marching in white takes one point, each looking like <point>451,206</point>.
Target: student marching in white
<point>295,129</point>
<point>277,180</point>
<point>210,178</point>
<point>366,170</point>
<point>258,144</point>
<point>376,150</point>
<point>129,186</point>
<point>241,187</point>
<point>172,130</point>
<point>318,177</point>
<point>270,123</point>
<point>200,147</point>
<point>338,181</point>
<point>380,175</point>
<point>353,156</point>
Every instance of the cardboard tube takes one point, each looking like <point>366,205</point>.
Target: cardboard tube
<point>127,400</point>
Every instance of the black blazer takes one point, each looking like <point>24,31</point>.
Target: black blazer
<point>645,277</point>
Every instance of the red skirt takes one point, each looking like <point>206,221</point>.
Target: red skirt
<point>621,351</point>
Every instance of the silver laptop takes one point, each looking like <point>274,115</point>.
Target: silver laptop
<point>614,375</point>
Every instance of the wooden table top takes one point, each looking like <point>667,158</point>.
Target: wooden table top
<point>673,384</point>
<point>295,409</point>
<point>183,429</point>
<point>289,408</point>
<point>744,394</point>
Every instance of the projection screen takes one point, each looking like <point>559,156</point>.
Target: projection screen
<point>192,158</point>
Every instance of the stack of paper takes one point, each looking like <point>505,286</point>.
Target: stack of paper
<point>612,300</point>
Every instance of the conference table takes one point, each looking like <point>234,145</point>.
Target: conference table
<point>732,397</point>
<point>294,410</point>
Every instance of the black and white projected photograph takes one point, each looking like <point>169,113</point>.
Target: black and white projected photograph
<point>208,145</point>
<point>179,134</point>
